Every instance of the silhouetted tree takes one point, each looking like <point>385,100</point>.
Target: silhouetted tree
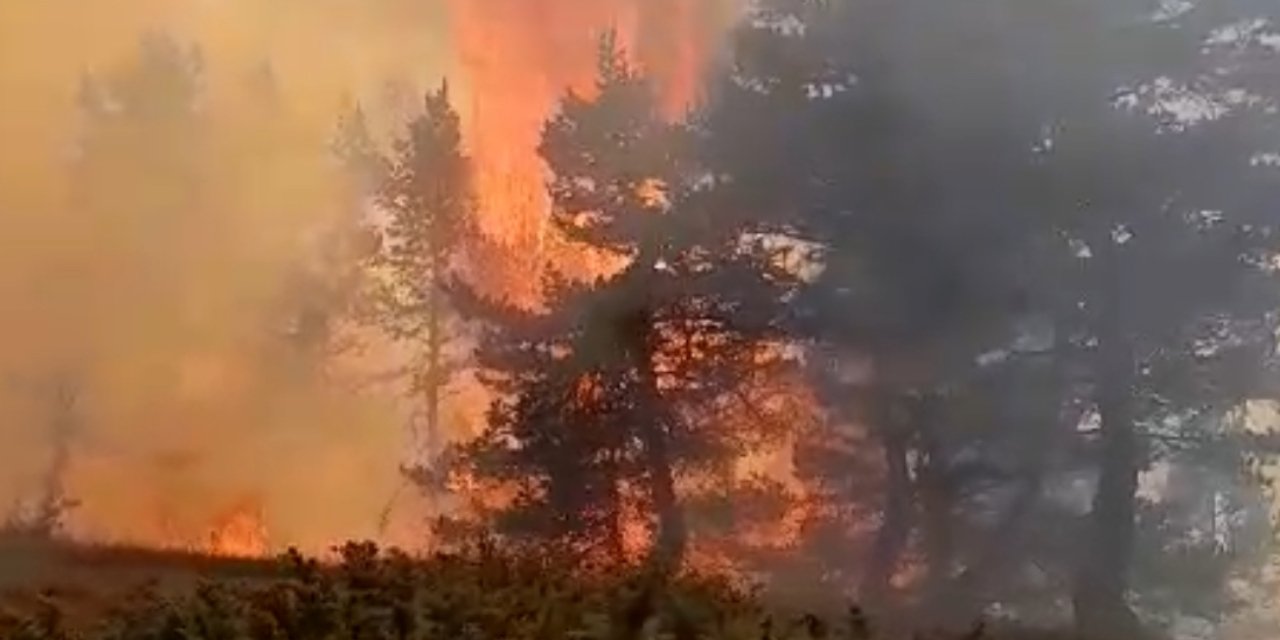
<point>1005,214</point>
<point>425,194</point>
<point>599,395</point>
<point>864,166</point>
<point>326,288</point>
<point>354,147</point>
<point>1146,191</point>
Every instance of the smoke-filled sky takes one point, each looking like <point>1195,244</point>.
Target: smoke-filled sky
<point>166,318</point>
<point>187,407</point>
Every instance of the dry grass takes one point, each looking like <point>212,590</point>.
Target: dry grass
<point>86,581</point>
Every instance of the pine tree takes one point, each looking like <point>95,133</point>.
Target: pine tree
<point>859,168</point>
<point>354,147</point>
<point>327,287</point>
<point>1139,199</point>
<point>599,395</point>
<point>426,196</point>
<point>989,212</point>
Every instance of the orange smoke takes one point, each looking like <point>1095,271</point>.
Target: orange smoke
<point>517,59</point>
<point>183,357</point>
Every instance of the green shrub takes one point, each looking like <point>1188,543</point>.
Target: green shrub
<point>479,593</point>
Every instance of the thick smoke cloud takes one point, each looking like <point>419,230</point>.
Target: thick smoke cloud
<point>169,320</point>
<point>184,409</point>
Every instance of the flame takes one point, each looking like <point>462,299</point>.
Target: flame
<point>240,531</point>
<point>514,60</point>
<point>517,59</point>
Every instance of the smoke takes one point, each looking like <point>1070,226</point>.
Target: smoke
<point>516,60</point>
<point>167,308</point>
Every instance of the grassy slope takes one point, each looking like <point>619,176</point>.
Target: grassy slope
<point>473,596</point>
<point>86,579</point>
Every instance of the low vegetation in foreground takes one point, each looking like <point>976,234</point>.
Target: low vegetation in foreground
<point>481,593</point>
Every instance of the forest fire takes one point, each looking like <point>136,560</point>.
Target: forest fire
<point>190,353</point>
<point>513,61</point>
<point>192,356</point>
<point>240,531</point>
<point>640,296</point>
<point>517,59</point>
<point>236,529</point>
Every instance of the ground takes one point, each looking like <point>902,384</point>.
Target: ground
<point>86,580</point>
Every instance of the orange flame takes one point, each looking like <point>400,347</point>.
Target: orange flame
<point>518,58</point>
<point>240,531</point>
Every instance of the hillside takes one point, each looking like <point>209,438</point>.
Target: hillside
<point>68,592</point>
<point>87,580</point>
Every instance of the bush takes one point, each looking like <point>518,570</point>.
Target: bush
<point>478,593</point>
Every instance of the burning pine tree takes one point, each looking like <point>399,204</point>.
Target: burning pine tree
<point>601,399</point>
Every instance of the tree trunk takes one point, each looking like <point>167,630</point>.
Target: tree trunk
<point>668,550</point>
<point>934,483</point>
<point>616,543</point>
<point>434,378</point>
<point>937,494</point>
<point>1100,600</point>
<point>963,599</point>
<point>895,525</point>
<point>652,425</point>
<point>435,344</point>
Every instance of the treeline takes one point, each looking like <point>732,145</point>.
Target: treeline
<point>478,593</point>
<point>1023,252</point>
<point>1022,255</point>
